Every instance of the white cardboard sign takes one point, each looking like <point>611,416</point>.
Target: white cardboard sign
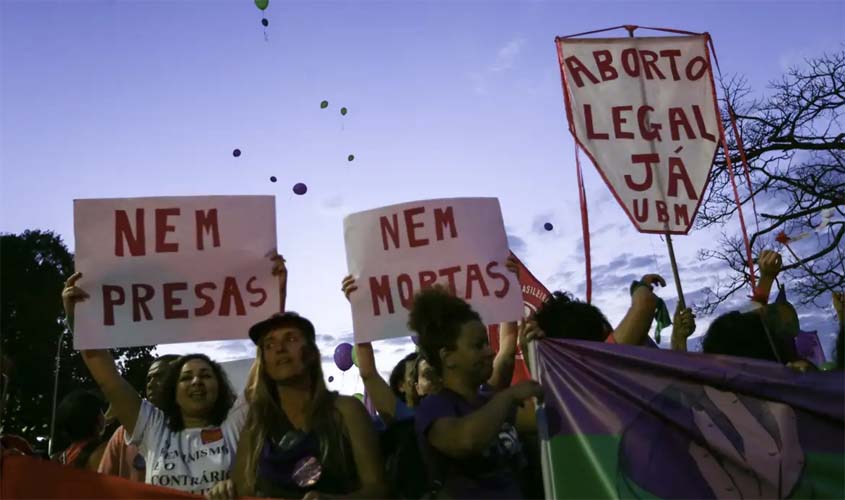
<point>644,110</point>
<point>173,269</point>
<point>394,252</point>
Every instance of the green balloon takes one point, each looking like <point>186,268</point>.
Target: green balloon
<point>262,4</point>
<point>343,111</point>
<point>350,157</point>
<point>324,104</point>
<point>355,356</point>
<point>359,396</point>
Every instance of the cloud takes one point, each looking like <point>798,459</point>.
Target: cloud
<point>516,244</point>
<point>506,56</point>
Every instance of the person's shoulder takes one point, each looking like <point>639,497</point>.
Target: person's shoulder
<point>347,405</point>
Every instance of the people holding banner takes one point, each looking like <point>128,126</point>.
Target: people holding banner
<point>466,432</point>
<point>300,440</point>
<point>121,458</point>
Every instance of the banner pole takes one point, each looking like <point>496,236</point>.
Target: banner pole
<point>674,263</point>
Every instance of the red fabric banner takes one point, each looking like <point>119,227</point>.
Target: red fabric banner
<point>534,294</point>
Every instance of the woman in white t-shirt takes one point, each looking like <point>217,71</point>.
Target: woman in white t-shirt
<point>189,443</point>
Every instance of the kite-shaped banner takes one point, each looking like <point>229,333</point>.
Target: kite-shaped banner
<point>644,110</point>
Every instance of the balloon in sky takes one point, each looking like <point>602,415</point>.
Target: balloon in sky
<point>236,152</point>
<point>265,22</point>
<point>548,226</point>
<point>300,188</point>
<point>272,178</point>
<point>343,356</point>
<point>331,379</point>
<point>262,4</point>
<point>324,104</point>
<point>343,111</point>
<point>350,157</point>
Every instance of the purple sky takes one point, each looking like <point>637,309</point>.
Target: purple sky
<point>446,98</point>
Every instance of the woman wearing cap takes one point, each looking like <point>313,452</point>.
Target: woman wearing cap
<point>189,442</point>
<point>300,439</point>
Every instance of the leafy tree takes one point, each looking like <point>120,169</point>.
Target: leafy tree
<point>33,268</point>
<point>795,147</point>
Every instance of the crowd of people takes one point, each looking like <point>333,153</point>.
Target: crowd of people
<point>449,423</point>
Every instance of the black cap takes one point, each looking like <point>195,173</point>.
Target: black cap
<point>279,320</point>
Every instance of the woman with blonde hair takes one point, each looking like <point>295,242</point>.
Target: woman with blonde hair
<point>300,440</point>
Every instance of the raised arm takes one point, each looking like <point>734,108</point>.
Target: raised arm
<point>377,388</point>
<point>124,401</point>
<point>460,437</point>
<point>770,264</point>
<point>280,270</point>
<point>683,325</point>
<point>633,328</point>
<point>365,449</point>
<point>504,361</point>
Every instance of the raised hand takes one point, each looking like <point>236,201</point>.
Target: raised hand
<point>71,294</point>
<point>348,286</point>
<point>770,263</point>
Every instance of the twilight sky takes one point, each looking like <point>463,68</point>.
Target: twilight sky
<point>133,98</point>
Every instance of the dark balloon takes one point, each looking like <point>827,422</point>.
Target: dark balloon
<point>324,104</point>
<point>272,178</point>
<point>331,379</point>
<point>265,22</point>
<point>343,111</point>
<point>343,356</point>
<point>236,153</point>
<point>548,226</point>
<point>350,157</point>
<point>300,188</point>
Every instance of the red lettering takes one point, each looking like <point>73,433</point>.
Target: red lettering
<point>256,291</point>
<point>648,131</point>
<point>677,118</point>
<point>678,173</point>
<point>123,231</point>
<point>207,222</point>
<point>231,293</point>
<point>474,274</point>
<point>588,121</point>
<point>641,217</point>
<point>443,219</point>
<point>427,278</point>
<point>388,230</point>
<point>673,65</point>
<point>631,62</point>
<point>681,213</point>
<point>603,61</point>
<point>646,160</point>
<point>649,64</point>
<point>506,284</point>
<point>449,273</point>
<point>380,290</point>
<point>576,68</point>
<point>694,74</point>
<point>702,128</point>
<point>207,306</point>
<point>171,301</point>
<point>109,301</point>
<point>162,228</point>
<point>406,290</point>
<point>411,226</point>
<point>618,121</point>
<point>139,302</point>
<point>662,213</point>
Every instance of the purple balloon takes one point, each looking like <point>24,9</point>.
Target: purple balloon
<point>548,226</point>
<point>300,188</point>
<point>343,356</point>
<point>415,340</point>
<point>331,379</point>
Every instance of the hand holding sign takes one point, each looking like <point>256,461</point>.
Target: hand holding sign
<point>72,294</point>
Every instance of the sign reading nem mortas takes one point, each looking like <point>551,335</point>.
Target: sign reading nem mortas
<point>394,252</point>
<point>644,110</point>
<point>173,269</point>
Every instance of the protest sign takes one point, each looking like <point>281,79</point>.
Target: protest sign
<point>644,110</point>
<point>173,269</point>
<point>394,252</point>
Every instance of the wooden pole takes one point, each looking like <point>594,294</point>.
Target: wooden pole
<point>669,247</point>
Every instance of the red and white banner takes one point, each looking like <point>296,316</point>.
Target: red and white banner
<point>534,294</point>
<point>176,269</point>
<point>394,252</point>
<point>644,110</point>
